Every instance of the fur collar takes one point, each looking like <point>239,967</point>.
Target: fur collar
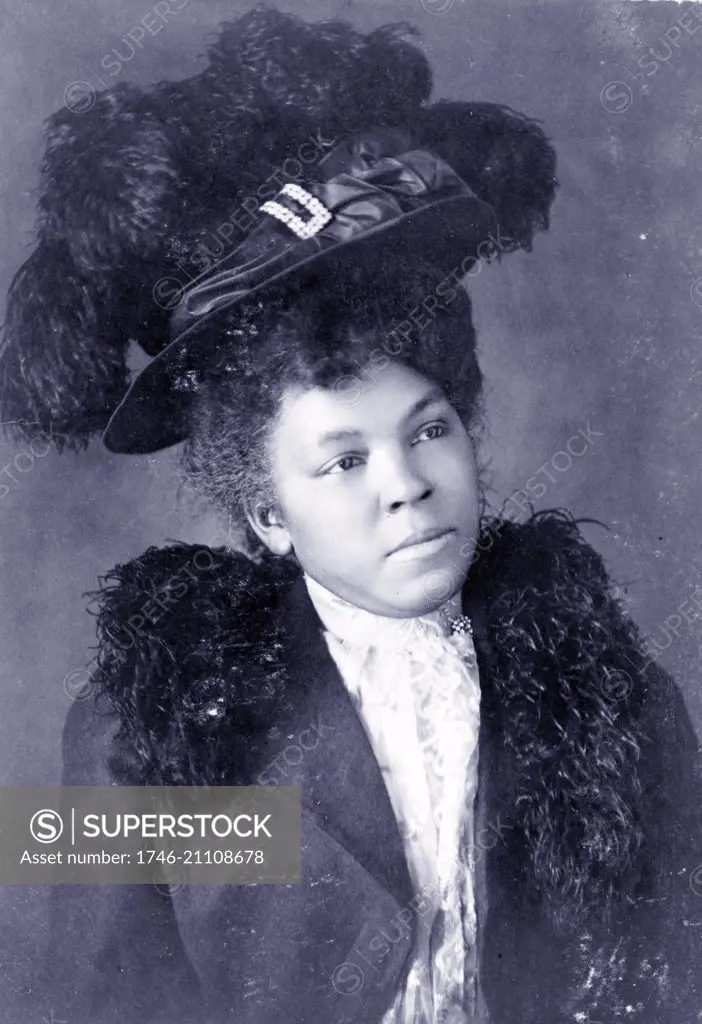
<point>563,693</point>
<point>193,658</point>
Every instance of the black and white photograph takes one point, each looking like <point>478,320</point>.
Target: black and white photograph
<point>351,604</point>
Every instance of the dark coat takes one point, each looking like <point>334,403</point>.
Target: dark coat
<point>587,814</point>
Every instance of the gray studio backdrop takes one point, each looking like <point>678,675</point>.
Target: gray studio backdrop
<point>598,329</point>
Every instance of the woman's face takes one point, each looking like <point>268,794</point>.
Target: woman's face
<point>359,485</point>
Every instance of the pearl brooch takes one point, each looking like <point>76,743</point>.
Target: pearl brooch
<point>461,635</point>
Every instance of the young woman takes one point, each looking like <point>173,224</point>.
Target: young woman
<point>499,791</point>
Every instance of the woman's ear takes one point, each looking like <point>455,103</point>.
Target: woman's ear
<point>267,523</point>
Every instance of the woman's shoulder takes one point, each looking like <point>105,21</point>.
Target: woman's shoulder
<point>157,585</point>
<point>183,595</point>
<point>188,650</point>
<point>543,578</point>
<point>549,596</point>
<point>554,610</point>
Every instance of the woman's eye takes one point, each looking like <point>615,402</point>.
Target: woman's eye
<point>343,464</point>
<point>432,432</point>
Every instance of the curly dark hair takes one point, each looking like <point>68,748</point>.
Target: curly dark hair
<point>329,333</point>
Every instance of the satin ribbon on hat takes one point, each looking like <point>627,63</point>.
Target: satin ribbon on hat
<point>415,684</point>
<point>366,183</point>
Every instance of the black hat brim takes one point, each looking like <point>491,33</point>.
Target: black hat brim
<point>155,411</point>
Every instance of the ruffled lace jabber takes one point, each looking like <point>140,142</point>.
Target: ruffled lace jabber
<point>416,688</point>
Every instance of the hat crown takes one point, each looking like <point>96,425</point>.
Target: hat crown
<point>373,182</point>
<point>364,149</point>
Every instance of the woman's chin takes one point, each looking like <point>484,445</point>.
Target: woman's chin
<point>422,589</point>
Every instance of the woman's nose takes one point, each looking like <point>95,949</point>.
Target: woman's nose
<point>399,503</point>
<point>403,485</point>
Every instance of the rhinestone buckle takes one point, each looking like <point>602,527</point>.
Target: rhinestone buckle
<point>303,229</point>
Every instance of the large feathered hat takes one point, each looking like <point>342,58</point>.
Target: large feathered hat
<point>298,145</point>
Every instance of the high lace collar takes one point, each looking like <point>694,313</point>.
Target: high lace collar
<point>362,628</point>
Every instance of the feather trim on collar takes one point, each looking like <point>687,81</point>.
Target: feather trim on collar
<point>564,694</point>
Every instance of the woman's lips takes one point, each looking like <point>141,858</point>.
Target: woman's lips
<point>421,548</point>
